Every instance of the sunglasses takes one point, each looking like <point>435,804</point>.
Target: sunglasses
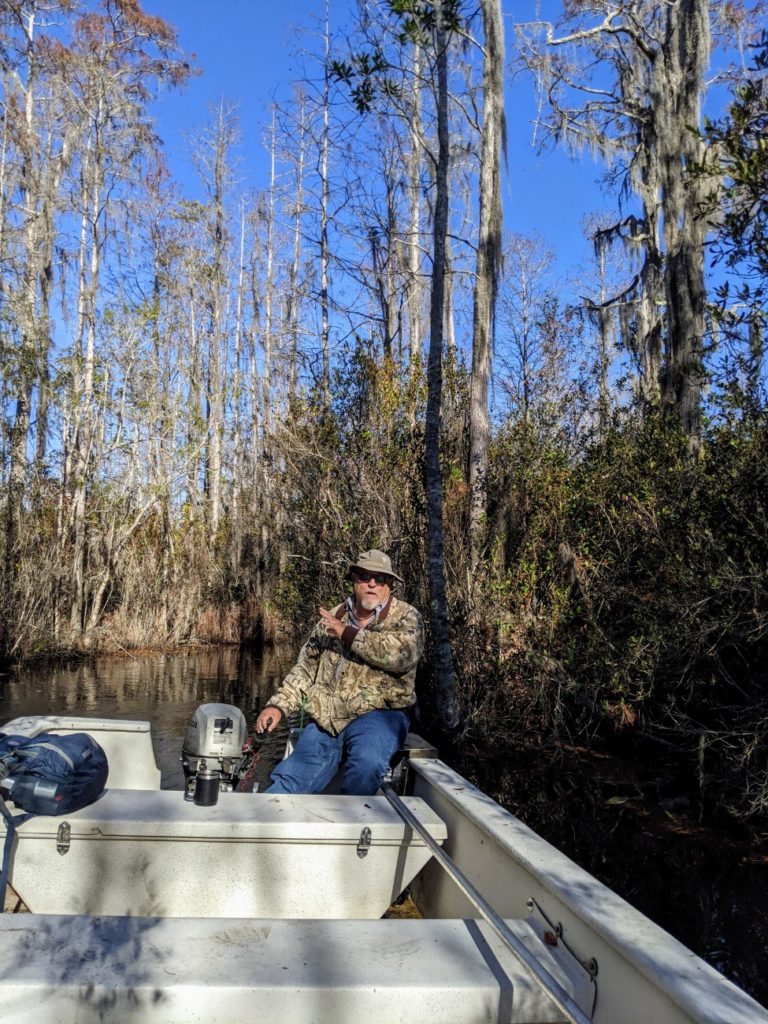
<point>365,577</point>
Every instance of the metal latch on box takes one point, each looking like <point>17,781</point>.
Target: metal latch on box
<point>63,838</point>
<point>364,843</point>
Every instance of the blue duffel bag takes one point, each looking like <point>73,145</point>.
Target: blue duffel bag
<point>52,774</point>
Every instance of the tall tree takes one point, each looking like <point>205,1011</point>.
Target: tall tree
<point>443,658</point>
<point>626,78</point>
<point>213,158</point>
<point>325,143</point>
<point>413,280</point>
<point>487,267</point>
<point>297,154</point>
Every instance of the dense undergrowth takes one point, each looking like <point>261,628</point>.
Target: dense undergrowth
<point>632,604</point>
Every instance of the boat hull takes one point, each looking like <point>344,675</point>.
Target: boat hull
<point>243,946</point>
<point>642,973</point>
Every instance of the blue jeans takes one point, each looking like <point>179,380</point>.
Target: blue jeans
<point>366,744</point>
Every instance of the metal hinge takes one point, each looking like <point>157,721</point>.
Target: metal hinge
<point>364,843</point>
<point>63,838</point>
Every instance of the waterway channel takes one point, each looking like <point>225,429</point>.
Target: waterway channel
<point>163,689</point>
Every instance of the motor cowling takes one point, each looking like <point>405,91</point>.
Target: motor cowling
<point>214,742</point>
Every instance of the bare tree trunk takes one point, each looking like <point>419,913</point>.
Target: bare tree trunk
<point>255,390</point>
<point>686,54</point>
<point>4,137</point>
<point>526,370</point>
<point>83,375</point>
<point>649,317</point>
<point>756,356</point>
<point>56,162</point>
<point>44,345</point>
<point>442,664</point>
<point>194,402</point>
<point>450,312</point>
<point>265,462</point>
<point>164,437</point>
<point>384,272</point>
<point>27,316</point>
<point>487,270</point>
<point>214,378</point>
<point>605,340</point>
<point>236,403</point>
<point>325,333</point>
<point>217,143</point>
<point>391,317</point>
<point>294,291</point>
<point>414,227</point>
<point>269,303</point>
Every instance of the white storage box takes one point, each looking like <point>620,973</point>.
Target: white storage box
<point>251,855</point>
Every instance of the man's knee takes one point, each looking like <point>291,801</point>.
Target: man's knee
<point>372,740</point>
<point>310,767</point>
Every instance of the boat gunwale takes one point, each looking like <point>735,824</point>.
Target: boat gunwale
<point>689,982</point>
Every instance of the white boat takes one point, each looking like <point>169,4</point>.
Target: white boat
<point>145,907</point>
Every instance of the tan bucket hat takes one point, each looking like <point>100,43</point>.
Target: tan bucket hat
<point>375,561</point>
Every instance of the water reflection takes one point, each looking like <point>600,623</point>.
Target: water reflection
<point>163,689</point>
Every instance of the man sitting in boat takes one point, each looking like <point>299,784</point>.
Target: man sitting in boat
<point>354,678</point>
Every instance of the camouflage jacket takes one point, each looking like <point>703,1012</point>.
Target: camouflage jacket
<point>337,680</point>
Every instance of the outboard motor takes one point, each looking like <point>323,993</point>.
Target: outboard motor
<point>213,747</point>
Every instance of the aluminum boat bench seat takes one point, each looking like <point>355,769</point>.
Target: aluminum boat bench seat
<point>151,853</point>
<point>126,969</point>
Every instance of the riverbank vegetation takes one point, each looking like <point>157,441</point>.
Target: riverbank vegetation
<point>210,405</point>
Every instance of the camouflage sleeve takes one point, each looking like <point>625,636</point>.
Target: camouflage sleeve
<point>300,678</point>
<point>396,650</point>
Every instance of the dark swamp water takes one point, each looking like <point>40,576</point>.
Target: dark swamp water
<point>163,689</point>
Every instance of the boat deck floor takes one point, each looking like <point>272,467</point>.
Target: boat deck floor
<point>130,969</point>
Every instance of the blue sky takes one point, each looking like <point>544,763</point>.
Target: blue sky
<point>246,51</point>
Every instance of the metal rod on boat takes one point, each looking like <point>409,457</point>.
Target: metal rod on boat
<point>564,1002</point>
